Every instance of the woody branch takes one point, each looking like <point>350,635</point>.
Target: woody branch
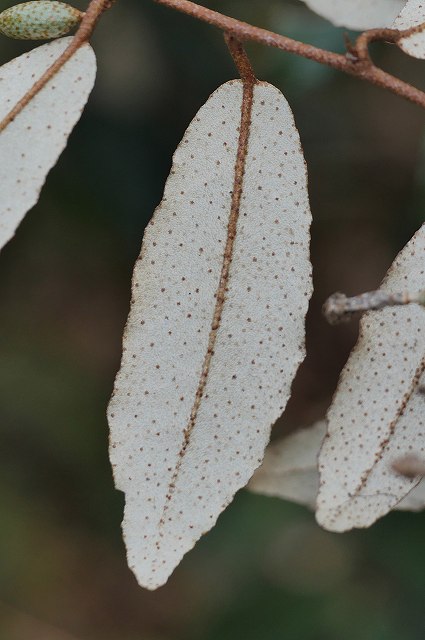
<point>356,62</point>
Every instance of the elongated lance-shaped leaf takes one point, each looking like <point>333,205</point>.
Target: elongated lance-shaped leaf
<point>378,413</point>
<point>412,15</point>
<point>31,144</point>
<point>216,328</point>
<point>290,471</point>
<point>358,14</point>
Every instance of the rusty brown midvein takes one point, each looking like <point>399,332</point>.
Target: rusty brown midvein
<point>383,445</point>
<point>245,127</point>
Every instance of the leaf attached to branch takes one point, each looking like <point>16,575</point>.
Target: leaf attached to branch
<point>216,327</point>
<point>378,413</point>
<point>31,144</point>
<point>358,14</point>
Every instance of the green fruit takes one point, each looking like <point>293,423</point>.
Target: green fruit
<point>39,20</point>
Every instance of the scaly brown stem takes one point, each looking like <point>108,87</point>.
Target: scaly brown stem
<point>358,65</point>
<point>339,308</point>
<point>361,46</point>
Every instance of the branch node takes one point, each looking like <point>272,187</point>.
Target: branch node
<point>361,46</point>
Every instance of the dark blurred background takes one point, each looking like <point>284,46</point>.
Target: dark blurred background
<point>266,572</point>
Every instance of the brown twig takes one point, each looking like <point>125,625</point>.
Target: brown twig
<point>355,62</point>
<point>88,23</point>
<point>338,308</point>
<point>393,36</point>
<point>358,65</point>
<point>361,46</point>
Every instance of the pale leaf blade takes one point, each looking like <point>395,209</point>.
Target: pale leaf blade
<point>289,470</point>
<point>377,414</point>
<point>178,479</point>
<point>415,499</point>
<point>412,15</point>
<point>30,145</point>
<point>358,14</point>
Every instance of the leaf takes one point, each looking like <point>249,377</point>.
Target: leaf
<point>289,470</point>
<point>209,355</point>
<point>31,144</point>
<point>412,15</point>
<point>415,500</point>
<point>377,414</point>
<point>358,14</point>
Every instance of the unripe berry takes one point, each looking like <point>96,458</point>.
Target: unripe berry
<point>39,20</point>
